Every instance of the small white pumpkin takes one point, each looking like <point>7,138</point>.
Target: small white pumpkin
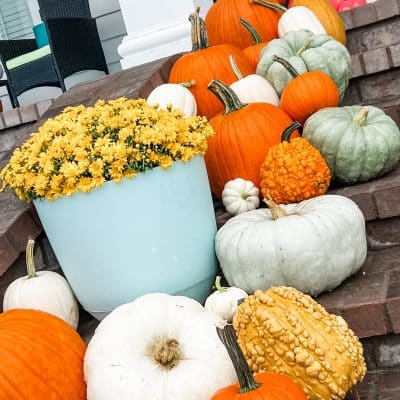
<point>44,290</point>
<point>299,17</point>
<point>240,196</point>
<point>176,94</point>
<point>224,301</point>
<point>158,347</point>
<point>252,88</point>
<point>312,246</point>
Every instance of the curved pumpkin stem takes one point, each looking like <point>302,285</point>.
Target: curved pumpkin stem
<point>235,68</point>
<point>188,84</point>
<point>275,209</point>
<point>289,131</point>
<point>303,46</point>
<point>227,335</point>
<point>227,96</point>
<point>287,65</point>
<point>218,284</point>
<point>253,33</point>
<point>199,33</point>
<point>361,117</point>
<point>274,6</point>
<point>30,263</point>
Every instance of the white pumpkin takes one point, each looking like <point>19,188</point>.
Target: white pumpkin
<point>240,196</point>
<point>253,88</point>
<point>299,17</point>
<point>174,94</point>
<point>313,245</point>
<point>224,301</point>
<point>158,347</point>
<point>44,290</point>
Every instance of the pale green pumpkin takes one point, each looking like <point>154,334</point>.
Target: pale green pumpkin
<point>358,143</point>
<point>306,52</point>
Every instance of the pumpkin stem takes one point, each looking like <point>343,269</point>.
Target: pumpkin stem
<point>226,95</point>
<point>274,6</point>
<point>199,33</point>
<point>289,131</point>
<point>361,116</point>
<point>235,68</point>
<point>165,351</point>
<point>276,210</point>
<point>287,65</point>
<point>228,337</point>
<point>188,84</point>
<point>250,28</point>
<point>30,263</point>
<point>303,46</point>
<point>218,285</point>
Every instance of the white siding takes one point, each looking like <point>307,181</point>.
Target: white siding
<point>111,31</point>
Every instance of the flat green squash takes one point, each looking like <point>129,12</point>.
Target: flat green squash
<point>358,143</point>
<point>306,52</point>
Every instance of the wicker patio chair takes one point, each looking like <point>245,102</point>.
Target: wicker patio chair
<point>49,9</point>
<point>74,46</point>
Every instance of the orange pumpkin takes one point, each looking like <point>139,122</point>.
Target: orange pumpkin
<point>307,93</point>
<point>205,63</point>
<point>327,15</point>
<point>41,357</point>
<point>223,22</point>
<point>294,170</point>
<point>243,135</point>
<point>263,386</point>
<point>253,52</point>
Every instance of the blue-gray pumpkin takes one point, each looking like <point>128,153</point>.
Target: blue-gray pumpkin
<point>306,52</point>
<point>358,143</point>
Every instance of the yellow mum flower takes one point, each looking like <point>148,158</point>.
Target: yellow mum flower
<point>83,147</point>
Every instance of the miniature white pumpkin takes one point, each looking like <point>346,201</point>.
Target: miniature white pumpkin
<point>240,196</point>
<point>299,17</point>
<point>158,347</point>
<point>313,245</point>
<point>44,290</point>
<point>252,88</point>
<point>224,301</point>
<point>175,94</point>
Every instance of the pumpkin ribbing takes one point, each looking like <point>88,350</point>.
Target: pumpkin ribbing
<point>327,15</point>
<point>41,357</point>
<point>307,92</point>
<point>206,63</point>
<point>223,22</point>
<point>243,135</point>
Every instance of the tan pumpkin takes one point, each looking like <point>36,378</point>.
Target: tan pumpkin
<point>285,331</point>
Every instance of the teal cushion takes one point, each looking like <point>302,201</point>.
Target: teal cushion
<point>28,57</point>
<point>40,33</point>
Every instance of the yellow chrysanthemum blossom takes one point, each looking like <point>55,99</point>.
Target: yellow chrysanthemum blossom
<point>83,147</point>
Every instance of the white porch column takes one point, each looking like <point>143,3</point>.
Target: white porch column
<point>156,29</point>
<point>34,9</point>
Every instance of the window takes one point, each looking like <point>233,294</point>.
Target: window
<point>15,20</point>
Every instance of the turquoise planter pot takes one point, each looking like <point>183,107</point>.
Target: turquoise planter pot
<point>152,233</point>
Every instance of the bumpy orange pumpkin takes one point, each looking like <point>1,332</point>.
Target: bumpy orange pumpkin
<point>223,22</point>
<point>263,386</point>
<point>327,15</point>
<point>294,170</point>
<point>41,357</point>
<point>243,135</point>
<point>307,93</point>
<point>205,63</point>
<point>253,52</point>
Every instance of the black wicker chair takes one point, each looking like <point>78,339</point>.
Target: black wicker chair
<point>74,43</point>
